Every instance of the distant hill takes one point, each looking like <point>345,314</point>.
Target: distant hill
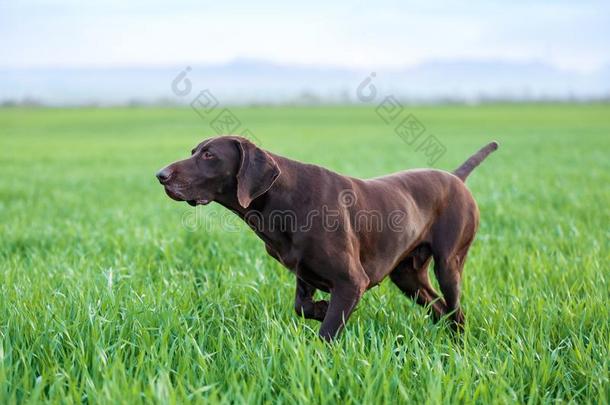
<point>245,81</point>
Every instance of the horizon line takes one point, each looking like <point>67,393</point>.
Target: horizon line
<point>289,64</point>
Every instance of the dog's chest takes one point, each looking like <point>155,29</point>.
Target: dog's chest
<point>290,259</point>
<point>284,256</point>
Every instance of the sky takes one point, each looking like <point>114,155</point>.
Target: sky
<point>572,35</point>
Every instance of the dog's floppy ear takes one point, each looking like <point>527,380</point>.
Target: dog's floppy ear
<point>257,172</point>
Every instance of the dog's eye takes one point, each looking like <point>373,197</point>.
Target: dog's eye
<point>207,155</point>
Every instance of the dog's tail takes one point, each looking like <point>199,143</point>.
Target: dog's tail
<point>468,166</point>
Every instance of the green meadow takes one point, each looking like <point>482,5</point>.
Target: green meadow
<point>111,292</point>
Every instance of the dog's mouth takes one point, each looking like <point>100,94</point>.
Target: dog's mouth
<point>194,203</point>
<point>177,196</point>
<point>174,195</point>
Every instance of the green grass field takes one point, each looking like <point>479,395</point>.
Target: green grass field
<point>112,292</point>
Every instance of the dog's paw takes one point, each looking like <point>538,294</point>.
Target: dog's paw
<point>320,308</point>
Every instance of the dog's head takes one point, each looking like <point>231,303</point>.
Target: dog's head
<point>220,167</point>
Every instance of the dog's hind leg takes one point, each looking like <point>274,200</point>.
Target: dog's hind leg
<point>448,266</point>
<point>452,235</point>
<point>411,276</point>
<point>448,271</point>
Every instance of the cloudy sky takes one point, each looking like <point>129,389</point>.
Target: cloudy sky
<point>572,35</point>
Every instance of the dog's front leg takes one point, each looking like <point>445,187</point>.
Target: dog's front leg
<point>304,304</point>
<point>343,300</point>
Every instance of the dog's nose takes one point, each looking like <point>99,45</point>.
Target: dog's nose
<point>164,175</point>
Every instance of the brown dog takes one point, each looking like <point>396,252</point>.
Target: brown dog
<point>341,234</point>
